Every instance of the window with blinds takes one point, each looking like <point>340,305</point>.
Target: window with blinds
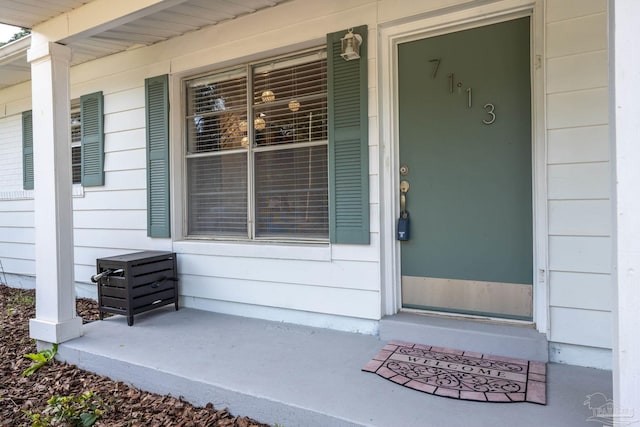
<point>76,142</point>
<point>256,155</point>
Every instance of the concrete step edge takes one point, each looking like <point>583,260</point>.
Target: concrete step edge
<point>519,342</point>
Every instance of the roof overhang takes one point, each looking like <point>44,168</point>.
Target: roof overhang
<point>98,28</point>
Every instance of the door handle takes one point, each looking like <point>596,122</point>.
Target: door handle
<point>404,189</point>
<point>403,222</point>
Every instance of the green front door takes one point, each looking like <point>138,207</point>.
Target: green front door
<point>465,150</point>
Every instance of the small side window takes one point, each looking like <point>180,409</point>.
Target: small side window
<point>76,140</point>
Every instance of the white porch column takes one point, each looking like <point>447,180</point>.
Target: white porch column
<point>56,319</point>
<point>624,79</point>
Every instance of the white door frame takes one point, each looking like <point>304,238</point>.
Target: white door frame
<point>454,20</point>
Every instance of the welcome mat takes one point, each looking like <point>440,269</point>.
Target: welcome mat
<point>461,374</point>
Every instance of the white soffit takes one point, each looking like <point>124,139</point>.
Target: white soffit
<point>27,13</point>
<point>157,26</point>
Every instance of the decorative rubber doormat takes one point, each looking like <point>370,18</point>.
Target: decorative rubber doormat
<point>461,374</point>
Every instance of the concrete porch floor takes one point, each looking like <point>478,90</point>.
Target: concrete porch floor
<point>298,376</point>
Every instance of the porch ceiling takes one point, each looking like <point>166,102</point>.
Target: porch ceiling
<point>161,22</point>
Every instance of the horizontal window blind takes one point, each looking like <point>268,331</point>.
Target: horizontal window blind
<point>291,192</point>
<point>290,104</point>
<point>76,150</point>
<point>218,195</point>
<point>216,112</point>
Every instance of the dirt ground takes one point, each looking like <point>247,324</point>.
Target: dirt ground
<point>124,405</point>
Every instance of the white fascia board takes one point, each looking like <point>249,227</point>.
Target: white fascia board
<point>15,50</point>
<point>95,17</point>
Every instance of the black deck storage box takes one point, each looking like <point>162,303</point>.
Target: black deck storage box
<point>134,283</point>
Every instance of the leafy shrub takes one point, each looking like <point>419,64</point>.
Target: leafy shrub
<point>69,411</point>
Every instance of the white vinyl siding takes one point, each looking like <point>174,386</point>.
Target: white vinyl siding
<point>579,183</point>
<point>592,328</point>
<point>579,218</point>
<point>580,254</point>
<point>563,292</point>
<point>17,237</point>
<point>568,9</point>
<point>561,111</point>
<point>578,145</point>
<point>575,35</point>
<point>314,299</point>
<point>567,73</point>
<point>17,249</point>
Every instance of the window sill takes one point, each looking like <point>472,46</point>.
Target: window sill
<point>77,191</point>
<point>292,251</point>
<point>16,195</point>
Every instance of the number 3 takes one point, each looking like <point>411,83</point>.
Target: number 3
<point>490,111</point>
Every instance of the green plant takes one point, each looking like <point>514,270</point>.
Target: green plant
<point>72,411</point>
<point>22,298</point>
<point>40,358</point>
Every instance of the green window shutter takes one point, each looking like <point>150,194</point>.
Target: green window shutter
<point>157,124</point>
<point>27,150</point>
<point>92,137</point>
<point>348,142</point>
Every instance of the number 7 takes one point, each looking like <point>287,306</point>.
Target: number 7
<point>435,67</point>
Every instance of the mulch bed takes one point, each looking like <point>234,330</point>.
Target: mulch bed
<point>125,405</point>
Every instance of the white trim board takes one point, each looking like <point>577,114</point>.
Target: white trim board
<point>276,314</point>
<point>589,357</point>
